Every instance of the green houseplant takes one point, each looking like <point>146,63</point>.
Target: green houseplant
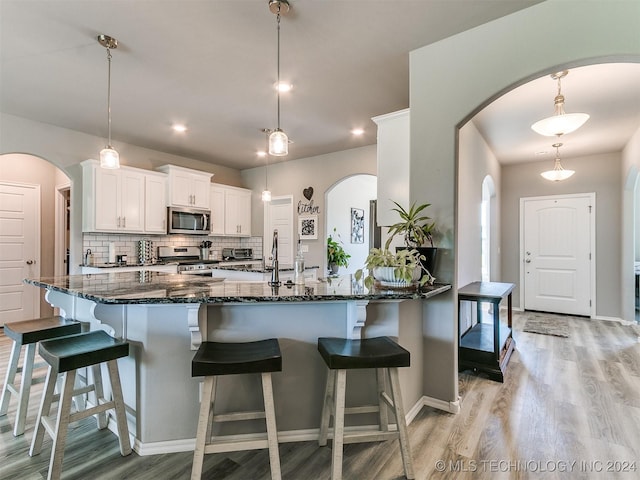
<point>336,255</point>
<point>400,269</point>
<point>417,232</point>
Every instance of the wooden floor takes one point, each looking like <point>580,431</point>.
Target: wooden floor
<point>569,408</point>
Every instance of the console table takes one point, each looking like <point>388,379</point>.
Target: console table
<point>486,347</point>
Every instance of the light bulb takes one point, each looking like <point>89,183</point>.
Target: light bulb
<point>109,158</point>
<point>278,143</point>
<point>266,196</point>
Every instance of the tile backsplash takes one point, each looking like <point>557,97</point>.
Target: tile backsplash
<point>127,245</point>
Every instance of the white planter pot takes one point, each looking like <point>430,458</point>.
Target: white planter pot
<point>387,278</point>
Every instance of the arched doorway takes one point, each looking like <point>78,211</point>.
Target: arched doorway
<point>348,197</point>
<point>39,249</point>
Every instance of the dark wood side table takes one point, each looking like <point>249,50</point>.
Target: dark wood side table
<point>486,347</point>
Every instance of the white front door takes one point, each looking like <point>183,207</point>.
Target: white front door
<point>558,235</point>
<point>19,251</point>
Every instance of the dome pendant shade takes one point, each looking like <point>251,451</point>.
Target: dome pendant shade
<point>278,143</point>
<point>109,158</point>
<point>561,122</point>
<point>558,173</point>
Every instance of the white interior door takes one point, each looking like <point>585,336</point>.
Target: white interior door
<point>19,251</point>
<point>279,215</point>
<point>558,237</point>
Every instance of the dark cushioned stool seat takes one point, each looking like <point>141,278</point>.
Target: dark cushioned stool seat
<point>378,352</point>
<point>32,331</point>
<point>215,358</point>
<point>77,351</point>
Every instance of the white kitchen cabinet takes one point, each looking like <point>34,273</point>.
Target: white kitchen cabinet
<point>393,164</point>
<point>129,268</point>
<point>230,211</point>
<point>113,200</point>
<point>155,200</point>
<point>217,210</point>
<point>187,187</point>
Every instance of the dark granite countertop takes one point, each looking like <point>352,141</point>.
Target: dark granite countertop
<point>157,288</point>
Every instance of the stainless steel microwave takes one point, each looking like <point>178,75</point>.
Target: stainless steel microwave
<point>189,221</point>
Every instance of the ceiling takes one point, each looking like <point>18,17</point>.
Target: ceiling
<point>212,64</point>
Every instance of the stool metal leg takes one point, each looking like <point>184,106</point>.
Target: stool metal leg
<point>121,414</point>
<point>204,426</point>
<point>405,449</point>
<point>383,414</point>
<point>12,369</point>
<point>327,408</point>
<point>62,424</point>
<point>43,411</point>
<point>272,432</point>
<point>338,425</point>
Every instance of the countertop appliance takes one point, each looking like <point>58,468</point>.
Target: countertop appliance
<point>190,221</point>
<point>237,253</point>
<point>188,260</point>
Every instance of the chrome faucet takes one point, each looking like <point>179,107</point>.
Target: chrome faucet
<point>275,274</point>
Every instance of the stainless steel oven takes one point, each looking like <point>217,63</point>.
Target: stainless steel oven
<point>188,221</point>
<point>188,260</point>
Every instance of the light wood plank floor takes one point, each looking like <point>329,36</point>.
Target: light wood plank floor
<point>563,401</point>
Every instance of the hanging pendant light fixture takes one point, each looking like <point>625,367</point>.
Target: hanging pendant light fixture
<point>278,140</point>
<point>560,123</point>
<point>109,157</point>
<point>558,173</point>
<point>266,193</point>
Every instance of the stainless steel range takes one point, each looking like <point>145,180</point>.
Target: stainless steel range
<point>188,260</point>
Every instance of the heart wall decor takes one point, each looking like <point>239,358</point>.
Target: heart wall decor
<point>308,193</point>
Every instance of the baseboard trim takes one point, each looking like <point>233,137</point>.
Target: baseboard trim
<point>611,319</point>
<point>305,435</point>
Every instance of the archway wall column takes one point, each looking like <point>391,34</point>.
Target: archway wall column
<point>451,80</point>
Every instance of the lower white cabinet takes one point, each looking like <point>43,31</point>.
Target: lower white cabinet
<point>132,268</point>
<point>230,211</point>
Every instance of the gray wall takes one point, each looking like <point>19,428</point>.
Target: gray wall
<point>321,173</point>
<point>629,172</point>
<point>595,173</point>
<point>452,79</point>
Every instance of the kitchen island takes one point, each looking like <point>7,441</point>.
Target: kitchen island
<point>165,317</point>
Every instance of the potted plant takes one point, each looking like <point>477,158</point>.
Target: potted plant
<point>401,269</point>
<point>336,256</point>
<point>417,232</point>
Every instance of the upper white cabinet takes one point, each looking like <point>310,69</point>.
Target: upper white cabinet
<point>113,200</point>
<point>186,187</point>
<point>393,164</point>
<point>155,200</point>
<point>230,211</point>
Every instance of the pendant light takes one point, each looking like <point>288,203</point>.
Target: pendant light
<point>266,193</point>
<point>558,173</point>
<point>278,140</point>
<point>109,157</point>
<point>560,123</point>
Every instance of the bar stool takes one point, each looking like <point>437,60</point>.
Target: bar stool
<point>213,359</point>
<point>383,354</point>
<point>65,355</point>
<point>29,333</point>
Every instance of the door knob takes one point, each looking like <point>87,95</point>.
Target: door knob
<point>30,262</point>
<point>527,260</point>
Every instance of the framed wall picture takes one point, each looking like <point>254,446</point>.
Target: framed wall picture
<point>357,225</point>
<point>308,227</point>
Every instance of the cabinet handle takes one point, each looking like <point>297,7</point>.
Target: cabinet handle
<point>124,222</point>
<point>118,222</point>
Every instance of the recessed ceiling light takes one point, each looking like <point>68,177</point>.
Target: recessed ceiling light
<point>283,87</point>
<point>542,152</point>
<point>357,131</point>
<point>178,127</point>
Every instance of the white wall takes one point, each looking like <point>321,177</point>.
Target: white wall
<point>352,192</point>
<point>629,172</point>
<point>452,79</point>
<point>321,173</point>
